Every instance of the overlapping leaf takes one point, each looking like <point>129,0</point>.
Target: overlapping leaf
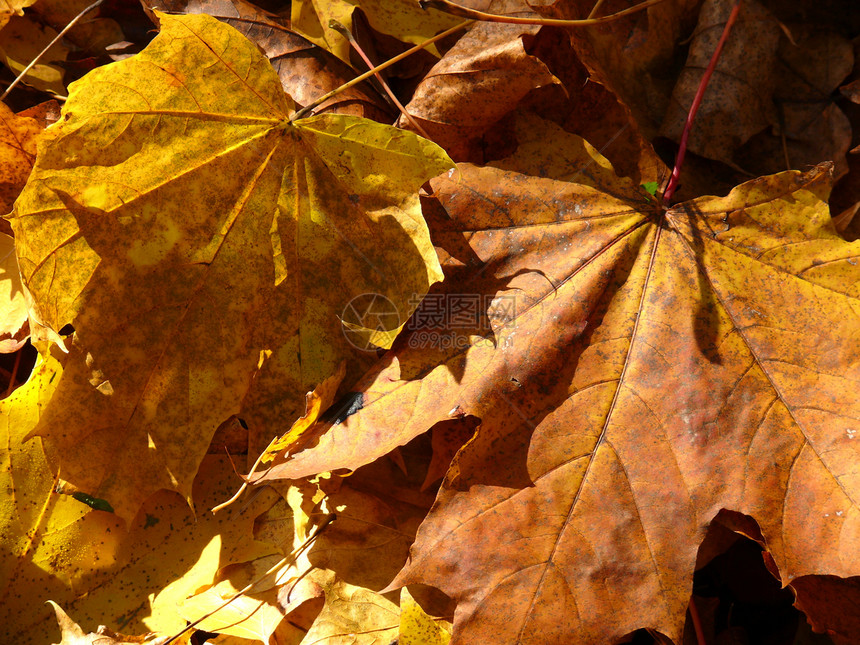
<point>342,537</point>
<point>654,369</point>
<point>13,302</point>
<point>18,136</point>
<point>403,19</point>
<point>478,81</point>
<point>10,8</point>
<point>204,248</point>
<point>54,547</point>
<point>307,71</point>
<point>21,41</point>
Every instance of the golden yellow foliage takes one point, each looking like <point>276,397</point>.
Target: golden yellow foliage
<point>204,247</point>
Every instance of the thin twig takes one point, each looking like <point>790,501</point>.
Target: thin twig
<point>697,101</point>
<point>456,10</point>
<point>244,485</point>
<point>595,9</point>
<point>341,29</point>
<point>378,68</point>
<point>294,554</point>
<point>50,44</point>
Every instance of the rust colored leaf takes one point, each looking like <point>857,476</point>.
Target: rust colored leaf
<point>831,604</point>
<point>447,438</point>
<point>480,80</point>
<point>635,372</point>
<point>590,110</point>
<point>630,56</point>
<point>809,127</point>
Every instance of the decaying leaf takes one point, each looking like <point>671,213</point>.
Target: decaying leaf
<point>768,106</point>
<point>630,56</point>
<point>744,308</point>
<point>482,78</point>
<point>255,615</point>
<point>338,535</point>
<point>810,127</point>
<point>49,544</point>
<point>55,547</point>
<point>616,390</point>
<point>204,248</point>
<point>72,634</point>
<point>416,627</point>
<point>316,403</point>
<point>723,127</point>
<point>403,19</point>
<point>92,33</point>
<point>354,615</point>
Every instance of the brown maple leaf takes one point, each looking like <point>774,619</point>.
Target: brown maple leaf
<point>635,371</point>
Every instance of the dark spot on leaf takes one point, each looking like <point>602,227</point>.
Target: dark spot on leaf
<point>151,520</point>
<point>93,502</point>
<point>345,406</point>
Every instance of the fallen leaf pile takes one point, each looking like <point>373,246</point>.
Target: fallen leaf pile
<point>473,381</point>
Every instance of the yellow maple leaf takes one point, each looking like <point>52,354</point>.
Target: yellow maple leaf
<point>417,627</point>
<point>52,546</point>
<point>204,247</point>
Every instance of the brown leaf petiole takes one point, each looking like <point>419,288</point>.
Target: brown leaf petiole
<point>457,10</point>
<point>694,106</point>
<point>358,79</point>
<point>244,485</point>
<point>343,31</point>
